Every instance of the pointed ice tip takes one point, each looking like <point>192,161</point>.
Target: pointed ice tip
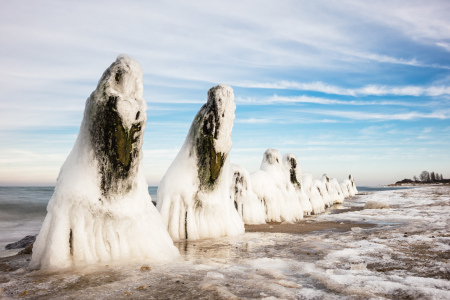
<point>128,62</point>
<point>221,91</point>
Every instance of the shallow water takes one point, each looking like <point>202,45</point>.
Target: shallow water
<point>406,256</point>
<point>23,209</point>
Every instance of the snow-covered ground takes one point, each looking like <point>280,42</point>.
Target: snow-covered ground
<point>405,256</point>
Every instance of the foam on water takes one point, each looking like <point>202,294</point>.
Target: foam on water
<point>407,260</point>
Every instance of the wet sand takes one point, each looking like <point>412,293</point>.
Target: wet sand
<point>309,224</point>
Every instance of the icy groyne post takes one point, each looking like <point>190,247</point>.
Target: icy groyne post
<point>247,204</point>
<point>315,198</point>
<point>273,187</point>
<point>350,186</point>
<point>194,194</point>
<point>295,174</point>
<point>101,210</point>
<point>353,185</point>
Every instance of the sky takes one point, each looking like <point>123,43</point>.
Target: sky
<point>347,86</point>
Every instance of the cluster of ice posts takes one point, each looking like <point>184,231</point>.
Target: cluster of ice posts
<point>101,210</point>
<point>279,192</point>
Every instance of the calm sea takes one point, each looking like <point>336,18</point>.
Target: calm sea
<point>23,209</point>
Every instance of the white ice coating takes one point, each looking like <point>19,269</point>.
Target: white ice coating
<point>323,192</point>
<point>317,203</point>
<point>99,213</point>
<point>288,202</point>
<point>344,190</point>
<point>352,180</point>
<point>271,197</point>
<point>194,194</point>
<point>335,184</point>
<point>333,188</point>
<point>294,171</point>
<point>350,186</point>
<point>249,207</point>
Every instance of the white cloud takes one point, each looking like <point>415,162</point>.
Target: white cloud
<point>358,115</point>
<point>253,121</point>
<point>446,46</point>
<point>368,90</point>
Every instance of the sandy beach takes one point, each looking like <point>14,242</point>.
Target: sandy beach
<point>347,253</point>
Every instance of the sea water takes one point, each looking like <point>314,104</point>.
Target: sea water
<point>23,209</point>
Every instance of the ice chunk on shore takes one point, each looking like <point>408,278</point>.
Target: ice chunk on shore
<point>101,210</point>
<point>249,207</point>
<point>194,194</point>
<point>295,174</point>
<point>376,205</point>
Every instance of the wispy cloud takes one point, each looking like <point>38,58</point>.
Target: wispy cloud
<point>275,99</point>
<point>368,90</point>
<point>253,121</point>
<point>358,115</point>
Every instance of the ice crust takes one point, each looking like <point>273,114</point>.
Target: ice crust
<point>101,210</point>
<point>194,195</point>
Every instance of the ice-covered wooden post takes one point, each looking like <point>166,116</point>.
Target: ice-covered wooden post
<point>101,210</point>
<point>250,208</point>
<point>295,174</point>
<point>194,195</point>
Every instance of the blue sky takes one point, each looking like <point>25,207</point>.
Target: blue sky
<point>347,86</point>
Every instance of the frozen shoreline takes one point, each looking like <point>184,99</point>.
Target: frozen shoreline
<point>403,253</point>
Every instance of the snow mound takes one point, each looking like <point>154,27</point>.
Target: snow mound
<point>101,210</point>
<point>194,194</point>
<point>245,200</point>
<point>375,205</point>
